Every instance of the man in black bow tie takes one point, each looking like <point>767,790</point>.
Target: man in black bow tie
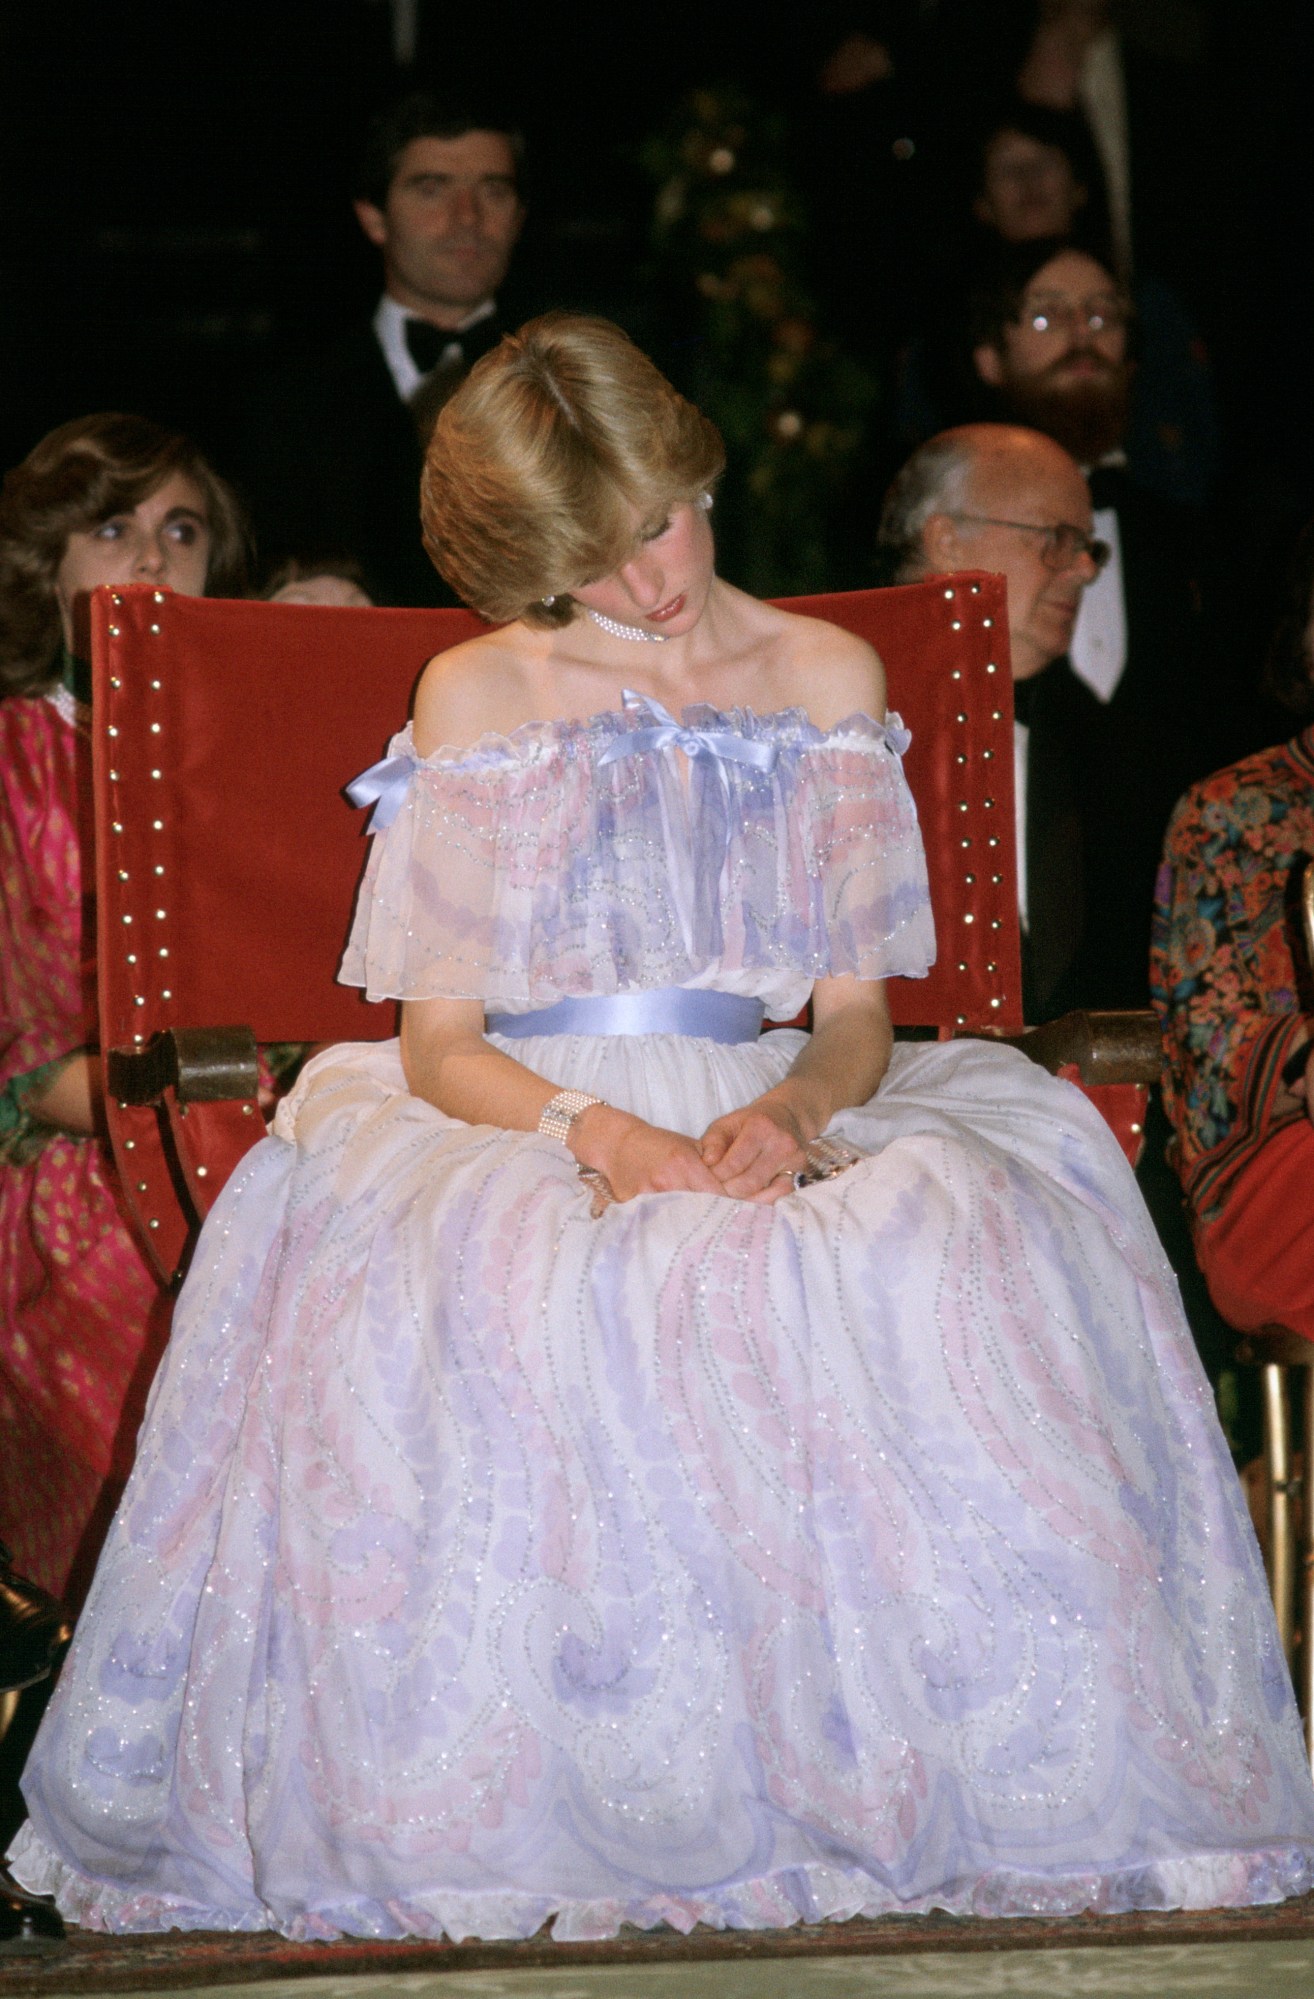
<point>334,446</point>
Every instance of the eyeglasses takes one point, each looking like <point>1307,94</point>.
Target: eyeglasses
<point>1061,315</point>
<point>1063,544</point>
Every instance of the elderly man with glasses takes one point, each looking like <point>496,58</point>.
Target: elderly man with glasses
<point>1007,499</point>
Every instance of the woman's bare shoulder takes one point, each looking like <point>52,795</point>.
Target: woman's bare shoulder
<point>829,671</point>
<point>469,691</point>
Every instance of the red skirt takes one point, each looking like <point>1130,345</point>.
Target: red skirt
<point>1258,1257</point>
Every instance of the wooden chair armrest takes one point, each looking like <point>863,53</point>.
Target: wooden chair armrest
<point>202,1065</point>
<point>1105,1047</point>
<point>1273,1346</point>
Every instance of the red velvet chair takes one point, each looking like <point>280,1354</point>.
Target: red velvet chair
<point>227,859</point>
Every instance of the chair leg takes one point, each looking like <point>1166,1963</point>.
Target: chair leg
<point>1277,1465</point>
<point>8,1709</point>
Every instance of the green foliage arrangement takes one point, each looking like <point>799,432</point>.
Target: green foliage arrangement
<point>729,238</point>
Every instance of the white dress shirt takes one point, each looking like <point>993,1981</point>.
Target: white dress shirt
<point>1099,640</point>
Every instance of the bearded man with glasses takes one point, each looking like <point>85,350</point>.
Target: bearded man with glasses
<point>1156,641</point>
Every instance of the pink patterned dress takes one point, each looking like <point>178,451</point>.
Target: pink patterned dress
<point>487,1563</point>
<point>82,1317</point>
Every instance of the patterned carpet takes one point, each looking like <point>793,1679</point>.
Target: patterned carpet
<point>831,1958</point>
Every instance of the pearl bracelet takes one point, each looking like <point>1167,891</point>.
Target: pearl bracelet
<point>559,1113</point>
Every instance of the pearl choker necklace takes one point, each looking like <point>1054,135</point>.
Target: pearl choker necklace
<point>619,631</point>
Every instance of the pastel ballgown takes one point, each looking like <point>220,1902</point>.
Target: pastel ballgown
<point>487,1563</point>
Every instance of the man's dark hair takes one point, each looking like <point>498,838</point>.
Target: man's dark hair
<point>1001,284</point>
<point>425,114</point>
<point>1066,131</point>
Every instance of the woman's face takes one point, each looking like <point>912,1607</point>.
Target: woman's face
<point>663,587</point>
<point>165,540</point>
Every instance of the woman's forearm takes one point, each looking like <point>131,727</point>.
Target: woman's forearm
<point>471,1080</point>
<point>459,1072</point>
<point>72,1099</point>
<point>845,1058</point>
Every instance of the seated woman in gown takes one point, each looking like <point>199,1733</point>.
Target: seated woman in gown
<point>726,1550</point>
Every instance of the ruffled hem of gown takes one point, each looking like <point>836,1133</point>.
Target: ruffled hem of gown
<point>811,1893</point>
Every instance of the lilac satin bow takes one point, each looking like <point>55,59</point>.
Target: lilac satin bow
<point>384,786</point>
<point>710,745</point>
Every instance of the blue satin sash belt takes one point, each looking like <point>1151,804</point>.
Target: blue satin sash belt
<point>666,1010</point>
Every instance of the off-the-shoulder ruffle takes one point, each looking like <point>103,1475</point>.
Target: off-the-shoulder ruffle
<point>523,868</point>
<point>532,740</point>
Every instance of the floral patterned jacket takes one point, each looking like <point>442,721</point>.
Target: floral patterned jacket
<point>1229,975</point>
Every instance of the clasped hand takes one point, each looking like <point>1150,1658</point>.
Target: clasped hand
<point>751,1154</point>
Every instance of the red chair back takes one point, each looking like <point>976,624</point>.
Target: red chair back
<point>227,860</point>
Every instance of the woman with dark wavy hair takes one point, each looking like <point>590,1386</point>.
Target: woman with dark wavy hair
<point>105,499</point>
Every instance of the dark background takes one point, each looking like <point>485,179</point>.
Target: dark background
<point>176,181</point>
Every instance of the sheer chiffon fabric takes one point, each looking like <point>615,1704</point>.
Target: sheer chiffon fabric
<point>529,870</point>
<point>485,1564</point>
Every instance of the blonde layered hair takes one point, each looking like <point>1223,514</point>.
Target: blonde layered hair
<point>559,441</point>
